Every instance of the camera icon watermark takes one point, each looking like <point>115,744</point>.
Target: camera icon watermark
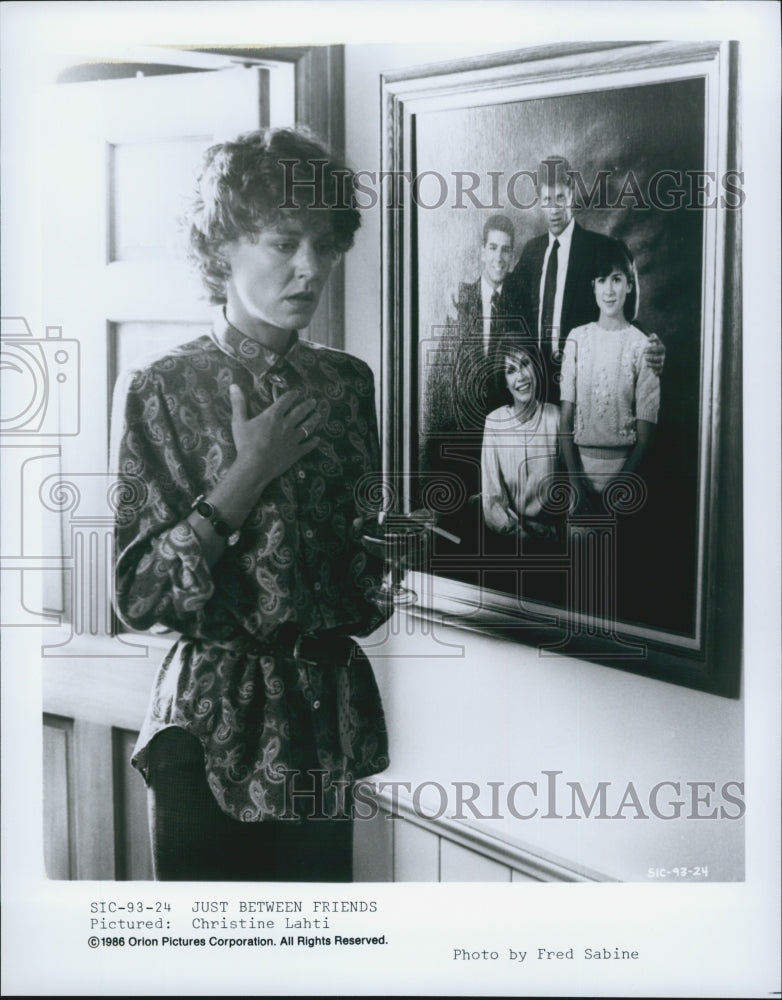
<point>40,381</point>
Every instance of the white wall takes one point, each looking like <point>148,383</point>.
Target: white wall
<point>497,711</point>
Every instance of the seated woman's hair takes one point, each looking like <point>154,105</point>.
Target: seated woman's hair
<point>252,181</point>
<point>614,256</point>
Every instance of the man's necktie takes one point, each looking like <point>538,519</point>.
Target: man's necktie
<point>547,335</point>
<point>494,325</point>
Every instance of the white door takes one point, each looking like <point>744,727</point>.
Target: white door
<point>121,157</point>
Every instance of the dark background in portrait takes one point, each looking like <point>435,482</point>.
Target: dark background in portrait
<point>643,130</point>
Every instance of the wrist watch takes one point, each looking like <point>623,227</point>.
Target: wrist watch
<point>209,513</point>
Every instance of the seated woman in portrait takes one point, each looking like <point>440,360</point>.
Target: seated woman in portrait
<point>520,449</point>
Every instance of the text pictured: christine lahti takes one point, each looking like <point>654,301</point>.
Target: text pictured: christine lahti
<point>265,923</point>
<point>235,923</point>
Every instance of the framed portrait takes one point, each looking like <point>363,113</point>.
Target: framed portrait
<point>648,579</point>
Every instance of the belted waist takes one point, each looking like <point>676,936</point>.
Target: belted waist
<point>322,649</point>
<point>327,648</point>
<point>331,649</point>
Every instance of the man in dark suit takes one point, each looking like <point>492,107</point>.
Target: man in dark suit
<point>481,325</point>
<point>460,387</point>
<point>551,285</point>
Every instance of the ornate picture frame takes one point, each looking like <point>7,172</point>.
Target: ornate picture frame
<point>650,132</point>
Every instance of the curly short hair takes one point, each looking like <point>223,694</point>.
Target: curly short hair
<point>254,180</point>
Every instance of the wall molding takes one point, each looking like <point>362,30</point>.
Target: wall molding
<point>514,854</point>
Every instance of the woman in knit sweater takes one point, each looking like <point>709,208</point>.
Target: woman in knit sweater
<point>609,396</point>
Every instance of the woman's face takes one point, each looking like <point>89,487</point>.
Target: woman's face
<point>520,378</point>
<point>276,279</point>
<point>610,294</point>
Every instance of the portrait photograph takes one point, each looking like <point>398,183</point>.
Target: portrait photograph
<point>389,430</point>
<point>642,184</point>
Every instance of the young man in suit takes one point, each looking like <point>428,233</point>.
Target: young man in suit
<point>478,300</point>
<point>551,285</point>
<point>480,324</point>
<point>461,374</point>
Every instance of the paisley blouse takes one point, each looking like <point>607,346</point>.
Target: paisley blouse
<point>260,714</point>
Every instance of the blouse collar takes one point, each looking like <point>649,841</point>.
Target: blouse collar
<point>256,358</point>
<point>532,417</point>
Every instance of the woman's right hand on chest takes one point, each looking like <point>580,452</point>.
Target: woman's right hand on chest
<point>274,440</point>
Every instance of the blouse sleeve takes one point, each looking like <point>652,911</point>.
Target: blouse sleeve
<point>647,390</point>
<point>567,388</point>
<point>161,575</point>
<point>493,495</point>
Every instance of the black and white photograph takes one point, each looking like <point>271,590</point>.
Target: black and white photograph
<point>652,501</point>
<point>390,536</point>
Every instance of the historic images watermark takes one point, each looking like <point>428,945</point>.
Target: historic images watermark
<point>547,795</point>
<point>666,190</point>
<point>63,520</point>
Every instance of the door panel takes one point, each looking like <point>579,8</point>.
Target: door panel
<point>124,154</point>
<point>131,840</point>
<point>95,814</point>
<point>155,175</point>
<point>57,811</point>
<point>124,157</point>
<point>127,154</point>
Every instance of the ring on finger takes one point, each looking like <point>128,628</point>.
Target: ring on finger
<point>306,433</point>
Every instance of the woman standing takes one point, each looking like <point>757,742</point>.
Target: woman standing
<point>610,395</point>
<point>240,454</point>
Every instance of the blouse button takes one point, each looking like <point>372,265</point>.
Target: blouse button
<point>302,474</point>
<point>309,533</point>
<point>316,704</point>
<point>317,586</point>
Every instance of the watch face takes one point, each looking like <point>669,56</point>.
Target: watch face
<point>204,508</point>
<point>208,512</point>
